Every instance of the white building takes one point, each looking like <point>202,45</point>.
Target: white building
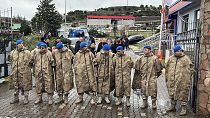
<point>184,15</point>
<point>107,21</point>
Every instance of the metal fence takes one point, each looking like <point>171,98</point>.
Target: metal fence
<point>190,40</point>
<point>167,42</point>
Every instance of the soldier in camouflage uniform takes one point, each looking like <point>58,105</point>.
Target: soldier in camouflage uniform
<point>147,70</point>
<point>21,72</point>
<point>64,73</point>
<point>122,64</point>
<point>37,48</point>
<point>105,71</point>
<point>178,73</point>
<point>34,51</point>
<point>43,61</point>
<point>84,73</point>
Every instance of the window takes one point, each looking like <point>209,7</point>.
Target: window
<point>185,23</point>
<point>197,15</point>
<point>197,18</point>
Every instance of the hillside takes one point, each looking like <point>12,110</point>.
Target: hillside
<point>137,11</point>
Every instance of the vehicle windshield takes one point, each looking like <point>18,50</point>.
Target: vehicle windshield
<point>76,33</point>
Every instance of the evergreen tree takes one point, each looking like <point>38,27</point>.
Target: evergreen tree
<point>47,18</point>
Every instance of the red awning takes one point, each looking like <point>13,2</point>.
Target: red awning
<point>112,17</point>
<point>178,6</point>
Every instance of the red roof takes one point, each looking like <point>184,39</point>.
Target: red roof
<point>178,6</point>
<point>112,17</point>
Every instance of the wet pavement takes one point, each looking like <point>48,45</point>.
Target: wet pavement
<point>85,109</point>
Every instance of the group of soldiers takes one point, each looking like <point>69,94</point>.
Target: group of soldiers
<point>97,75</point>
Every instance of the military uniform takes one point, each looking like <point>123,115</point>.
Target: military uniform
<point>84,73</point>
<point>105,71</point>
<point>147,70</point>
<point>178,73</point>
<point>123,65</point>
<point>21,73</point>
<point>64,73</point>
<point>44,75</point>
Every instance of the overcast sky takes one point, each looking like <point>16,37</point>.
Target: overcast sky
<point>27,8</point>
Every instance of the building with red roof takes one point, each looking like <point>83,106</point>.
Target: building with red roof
<point>107,21</point>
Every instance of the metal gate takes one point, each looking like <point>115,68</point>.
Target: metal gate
<point>190,42</point>
<point>5,49</point>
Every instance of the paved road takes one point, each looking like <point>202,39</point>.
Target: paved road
<point>85,110</point>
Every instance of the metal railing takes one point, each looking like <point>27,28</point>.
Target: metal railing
<point>166,42</point>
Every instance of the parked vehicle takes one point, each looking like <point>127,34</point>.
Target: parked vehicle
<point>74,35</point>
<point>135,38</point>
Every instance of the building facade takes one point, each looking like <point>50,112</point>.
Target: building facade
<point>108,21</point>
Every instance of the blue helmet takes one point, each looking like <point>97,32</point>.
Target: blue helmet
<point>177,48</point>
<point>147,47</point>
<point>106,47</point>
<point>43,45</point>
<point>83,44</point>
<point>119,48</point>
<point>19,41</point>
<point>39,43</point>
<point>59,45</point>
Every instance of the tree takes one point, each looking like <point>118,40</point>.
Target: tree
<point>47,18</point>
<point>25,25</point>
<point>142,7</point>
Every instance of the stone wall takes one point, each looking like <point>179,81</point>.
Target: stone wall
<point>203,98</point>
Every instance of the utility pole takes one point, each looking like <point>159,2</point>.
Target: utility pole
<point>11,23</point>
<point>161,27</point>
<point>65,21</point>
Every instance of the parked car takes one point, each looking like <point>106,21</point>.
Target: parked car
<point>74,35</point>
<point>135,38</point>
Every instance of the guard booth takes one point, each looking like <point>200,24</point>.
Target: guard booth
<point>5,49</point>
<point>6,36</point>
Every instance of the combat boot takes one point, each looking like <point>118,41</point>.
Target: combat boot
<point>26,97</point>
<point>66,99</point>
<point>50,99</point>
<point>15,99</point>
<point>99,99</point>
<point>154,106</point>
<point>183,109</point>
<point>79,99</point>
<point>93,99</point>
<point>117,101</point>
<point>173,105</point>
<point>128,104</point>
<point>60,99</point>
<point>107,99</point>
<point>39,99</point>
